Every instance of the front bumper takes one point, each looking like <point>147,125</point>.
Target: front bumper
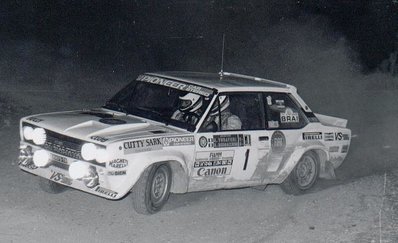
<point>95,181</point>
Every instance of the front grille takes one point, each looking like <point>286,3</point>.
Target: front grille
<point>63,145</point>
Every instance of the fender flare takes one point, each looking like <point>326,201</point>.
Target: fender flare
<point>141,161</point>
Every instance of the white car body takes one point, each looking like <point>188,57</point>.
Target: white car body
<point>199,160</point>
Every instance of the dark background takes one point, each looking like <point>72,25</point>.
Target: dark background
<point>74,54</point>
<point>341,55</point>
<point>187,35</point>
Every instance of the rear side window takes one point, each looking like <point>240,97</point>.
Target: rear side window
<point>282,112</point>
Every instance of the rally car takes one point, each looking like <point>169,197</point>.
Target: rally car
<point>178,132</point>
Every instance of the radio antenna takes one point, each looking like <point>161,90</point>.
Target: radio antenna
<point>222,57</point>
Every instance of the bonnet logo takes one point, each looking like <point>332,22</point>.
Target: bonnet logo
<point>98,138</point>
<point>34,119</point>
<point>118,163</point>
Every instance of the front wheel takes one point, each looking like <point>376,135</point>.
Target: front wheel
<point>50,186</point>
<point>303,176</point>
<point>152,190</point>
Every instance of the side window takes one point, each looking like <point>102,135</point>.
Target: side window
<point>282,112</point>
<point>236,111</point>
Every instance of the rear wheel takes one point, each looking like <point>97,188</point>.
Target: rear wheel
<point>303,176</point>
<point>50,186</point>
<point>152,190</point>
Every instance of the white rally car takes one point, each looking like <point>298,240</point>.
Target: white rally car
<point>182,132</point>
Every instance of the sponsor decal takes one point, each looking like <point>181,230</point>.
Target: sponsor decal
<point>231,140</point>
<point>118,163</point>
<point>99,139</point>
<point>106,192</point>
<point>117,173</point>
<point>289,116</point>
<point>273,124</point>
<point>338,136</point>
<point>60,177</point>
<point>178,141</point>
<point>203,142</point>
<point>329,136</point>
<point>278,142</point>
<point>334,149</point>
<point>344,148</point>
<point>34,119</point>
<point>142,145</point>
<point>58,147</point>
<point>213,163</point>
<point>30,166</point>
<point>269,100</point>
<point>312,136</point>
<point>59,159</point>
<point>176,85</point>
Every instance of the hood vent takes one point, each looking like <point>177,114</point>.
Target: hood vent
<point>158,132</point>
<point>97,114</point>
<point>112,121</point>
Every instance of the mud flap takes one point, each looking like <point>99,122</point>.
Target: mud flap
<point>327,171</point>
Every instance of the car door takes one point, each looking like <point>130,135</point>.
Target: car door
<point>228,155</point>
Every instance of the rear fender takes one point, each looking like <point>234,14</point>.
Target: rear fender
<point>320,151</point>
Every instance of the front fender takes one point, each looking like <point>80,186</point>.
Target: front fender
<point>141,161</point>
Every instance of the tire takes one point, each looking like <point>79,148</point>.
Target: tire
<point>50,186</point>
<point>152,190</point>
<point>303,176</point>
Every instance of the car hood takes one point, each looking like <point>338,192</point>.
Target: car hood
<point>100,125</point>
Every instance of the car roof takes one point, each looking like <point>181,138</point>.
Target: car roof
<point>228,81</point>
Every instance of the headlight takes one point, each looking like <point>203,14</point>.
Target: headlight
<point>85,172</point>
<point>101,156</point>
<point>41,158</point>
<point>38,135</point>
<point>91,151</point>
<point>27,132</point>
<point>78,170</point>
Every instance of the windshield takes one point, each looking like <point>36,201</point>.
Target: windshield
<point>167,101</point>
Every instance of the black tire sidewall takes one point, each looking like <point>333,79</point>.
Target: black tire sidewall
<point>148,188</point>
<point>293,174</point>
<point>290,185</point>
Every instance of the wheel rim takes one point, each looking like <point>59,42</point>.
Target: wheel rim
<point>160,183</point>
<point>305,172</point>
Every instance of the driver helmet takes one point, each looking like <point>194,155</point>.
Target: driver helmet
<point>190,102</point>
<point>224,103</point>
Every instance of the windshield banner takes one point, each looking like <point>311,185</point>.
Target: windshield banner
<point>176,85</point>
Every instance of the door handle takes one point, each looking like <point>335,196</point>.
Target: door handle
<point>263,138</point>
